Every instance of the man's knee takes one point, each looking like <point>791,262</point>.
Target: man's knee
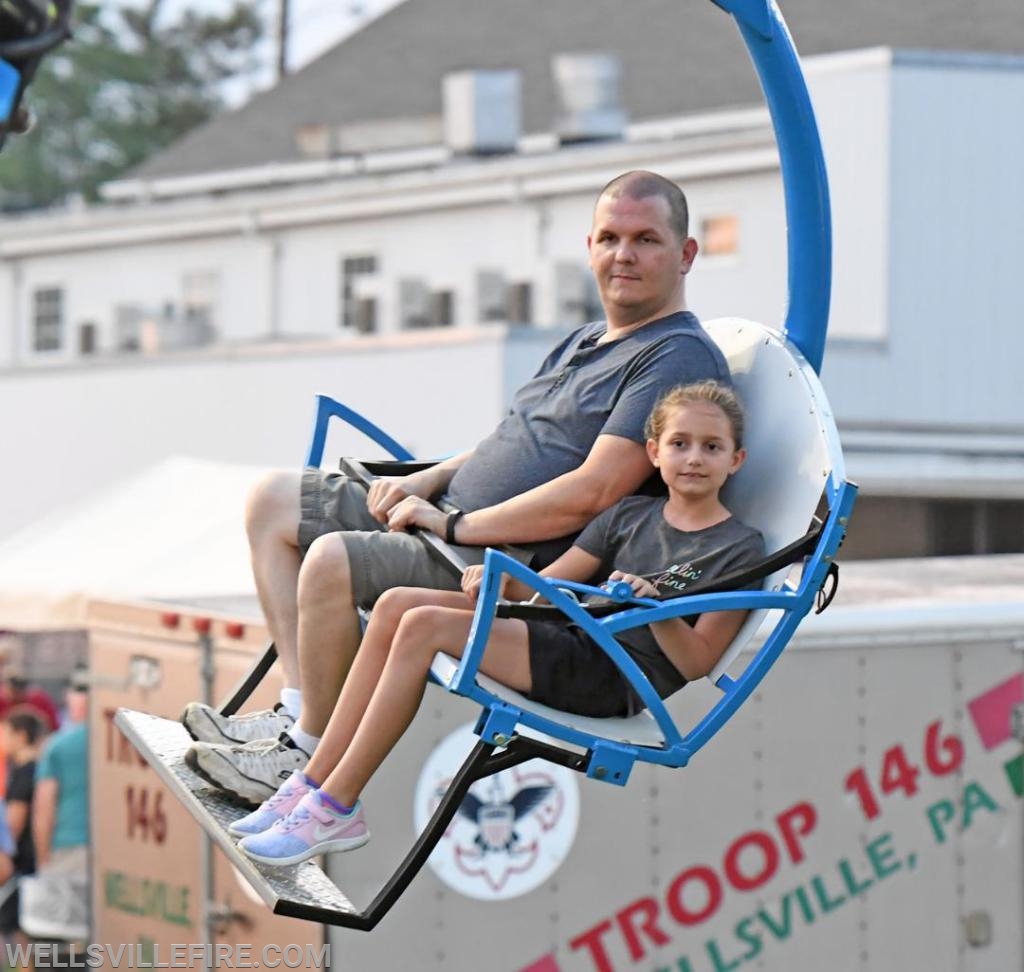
<point>273,504</point>
<point>325,570</point>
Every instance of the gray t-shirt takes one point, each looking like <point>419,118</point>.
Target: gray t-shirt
<point>633,536</point>
<point>583,390</point>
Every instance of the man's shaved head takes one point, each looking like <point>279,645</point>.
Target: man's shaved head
<point>639,184</point>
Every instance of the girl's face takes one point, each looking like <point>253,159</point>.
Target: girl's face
<point>696,452</point>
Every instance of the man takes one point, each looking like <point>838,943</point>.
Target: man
<point>570,447</point>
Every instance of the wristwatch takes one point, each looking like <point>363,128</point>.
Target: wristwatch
<point>449,525</point>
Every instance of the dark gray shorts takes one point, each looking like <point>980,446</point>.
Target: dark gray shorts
<point>568,671</point>
<point>333,503</point>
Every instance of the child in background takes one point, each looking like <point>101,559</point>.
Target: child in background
<point>659,546</point>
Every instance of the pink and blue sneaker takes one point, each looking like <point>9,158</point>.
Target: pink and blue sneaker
<point>312,828</point>
<point>273,809</point>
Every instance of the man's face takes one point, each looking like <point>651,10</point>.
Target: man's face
<point>637,259</point>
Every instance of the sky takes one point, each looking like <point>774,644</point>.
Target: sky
<point>316,25</point>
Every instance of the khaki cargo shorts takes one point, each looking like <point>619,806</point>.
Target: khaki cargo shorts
<point>333,503</point>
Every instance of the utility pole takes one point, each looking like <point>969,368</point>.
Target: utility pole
<point>282,38</point>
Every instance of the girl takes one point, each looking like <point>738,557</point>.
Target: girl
<point>658,546</point>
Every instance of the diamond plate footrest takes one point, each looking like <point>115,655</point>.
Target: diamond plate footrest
<point>299,892</point>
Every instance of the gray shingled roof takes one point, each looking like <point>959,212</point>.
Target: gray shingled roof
<point>677,56</point>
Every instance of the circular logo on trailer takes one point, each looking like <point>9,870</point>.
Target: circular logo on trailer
<point>511,832</point>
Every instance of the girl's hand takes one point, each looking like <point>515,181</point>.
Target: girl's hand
<point>473,579</point>
<point>415,512</point>
<point>641,587</point>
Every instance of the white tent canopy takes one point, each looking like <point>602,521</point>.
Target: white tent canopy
<point>174,532</point>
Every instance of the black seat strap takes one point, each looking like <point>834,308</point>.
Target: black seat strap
<point>733,581</point>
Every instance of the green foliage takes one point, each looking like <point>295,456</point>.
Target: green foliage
<point>123,87</point>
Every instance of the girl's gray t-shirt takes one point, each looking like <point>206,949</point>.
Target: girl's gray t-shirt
<point>633,536</point>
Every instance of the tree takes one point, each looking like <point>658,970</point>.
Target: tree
<point>123,87</point>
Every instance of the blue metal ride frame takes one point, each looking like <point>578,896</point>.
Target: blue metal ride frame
<point>808,214</point>
<point>501,718</point>
<point>326,409</point>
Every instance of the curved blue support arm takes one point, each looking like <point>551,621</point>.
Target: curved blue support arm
<point>326,409</point>
<point>497,564</point>
<point>676,749</point>
<point>804,178</point>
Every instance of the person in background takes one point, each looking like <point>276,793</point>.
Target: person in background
<point>8,879</point>
<point>17,694</point>
<point>25,735</point>
<point>60,816</point>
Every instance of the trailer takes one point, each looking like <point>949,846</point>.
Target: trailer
<point>862,812</point>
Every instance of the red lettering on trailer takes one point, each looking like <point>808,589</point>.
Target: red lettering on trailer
<point>645,912</point>
<point>118,749</point>
<point>770,861</point>
<point>678,910</point>
<point>798,821</point>
<point>591,940</point>
<point>697,892</point>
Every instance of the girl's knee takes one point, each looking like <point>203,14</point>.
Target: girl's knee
<point>421,632</point>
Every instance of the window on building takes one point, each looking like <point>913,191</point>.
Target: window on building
<point>200,300</point>
<point>87,338</point>
<point>127,327</point>
<point>358,311</point>
<point>48,319</point>
<point>414,303</point>
<point>442,308</point>
<point>520,303</point>
<point>720,235</point>
<point>886,526</point>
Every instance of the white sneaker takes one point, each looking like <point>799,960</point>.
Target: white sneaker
<point>205,724</point>
<point>252,772</point>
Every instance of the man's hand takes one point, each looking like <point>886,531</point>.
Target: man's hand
<point>413,511</point>
<point>641,587</point>
<point>386,493</point>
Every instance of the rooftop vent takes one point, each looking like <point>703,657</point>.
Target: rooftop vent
<point>482,111</point>
<point>589,98</point>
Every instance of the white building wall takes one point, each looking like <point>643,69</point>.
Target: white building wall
<point>152,276</point>
<point>950,359</point>
<point>69,431</point>
<point>852,99</point>
<point>927,195</point>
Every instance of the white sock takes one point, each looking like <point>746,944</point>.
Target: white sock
<point>304,740</point>
<point>291,699</point>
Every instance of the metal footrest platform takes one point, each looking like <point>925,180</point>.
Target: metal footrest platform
<point>299,892</point>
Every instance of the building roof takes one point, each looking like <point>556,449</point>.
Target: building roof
<point>691,59</point>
